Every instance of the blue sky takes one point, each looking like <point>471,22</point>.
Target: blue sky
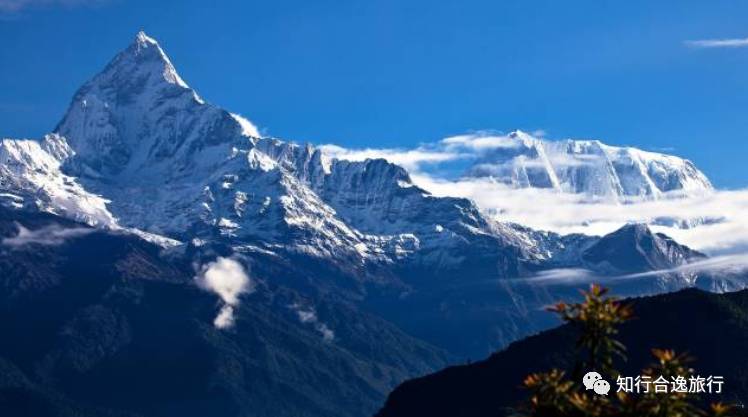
<point>399,73</point>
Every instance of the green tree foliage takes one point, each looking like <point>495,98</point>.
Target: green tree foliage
<point>597,317</point>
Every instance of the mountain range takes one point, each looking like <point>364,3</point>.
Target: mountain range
<point>359,278</point>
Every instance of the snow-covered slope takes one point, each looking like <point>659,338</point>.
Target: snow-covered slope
<point>588,167</point>
<point>139,115</point>
<point>30,176</point>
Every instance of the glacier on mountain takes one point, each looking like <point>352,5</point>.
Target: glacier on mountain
<point>588,167</point>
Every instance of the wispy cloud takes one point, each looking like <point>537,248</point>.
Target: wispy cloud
<point>14,6</point>
<point>569,276</point>
<point>410,159</point>
<point>732,267</point>
<point>735,264</point>
<point>308,315</point>
<point>712,222</point>
<point>453,148</point>
<point>480,141</point>
<point>227,278</point>
<point>248,128</point>
<point>52,235</point>
<point>718,43</point>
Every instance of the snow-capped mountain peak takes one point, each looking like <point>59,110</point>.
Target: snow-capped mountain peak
<point>587,167</point>
<point>138,113</point>
<point>146,46</point>
<point>175,165</point>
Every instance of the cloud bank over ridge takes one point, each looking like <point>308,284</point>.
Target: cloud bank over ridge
<point>713,221</point>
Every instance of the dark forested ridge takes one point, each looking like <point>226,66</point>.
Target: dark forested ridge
<point>712,328</point>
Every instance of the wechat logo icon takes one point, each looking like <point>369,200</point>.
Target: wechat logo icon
<point>594,381</point>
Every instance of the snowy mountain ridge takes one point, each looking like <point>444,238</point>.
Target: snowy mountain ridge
<point>587,167</point>
<point>138,145</point>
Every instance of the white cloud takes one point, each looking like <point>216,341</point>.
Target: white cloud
<point>563,276</point>
<point>13,6</point>
<point>410,159</point>
<point>52,235</point>
<point>730,267</point>
<point>248,128</point>
<point>327,334</point>
<point>725,228</point>
<point>227,278</point>
<point>225,317</point>
<point>735,264</point>
<point>718,43</point>
<point>454,148</point>
<point>308,315</point>
<point>480,142</point>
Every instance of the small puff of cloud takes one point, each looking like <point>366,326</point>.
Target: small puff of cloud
<point>225,318</point>
<point>227,278</point>
<point>309,316</point>
<point>248,128</point>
